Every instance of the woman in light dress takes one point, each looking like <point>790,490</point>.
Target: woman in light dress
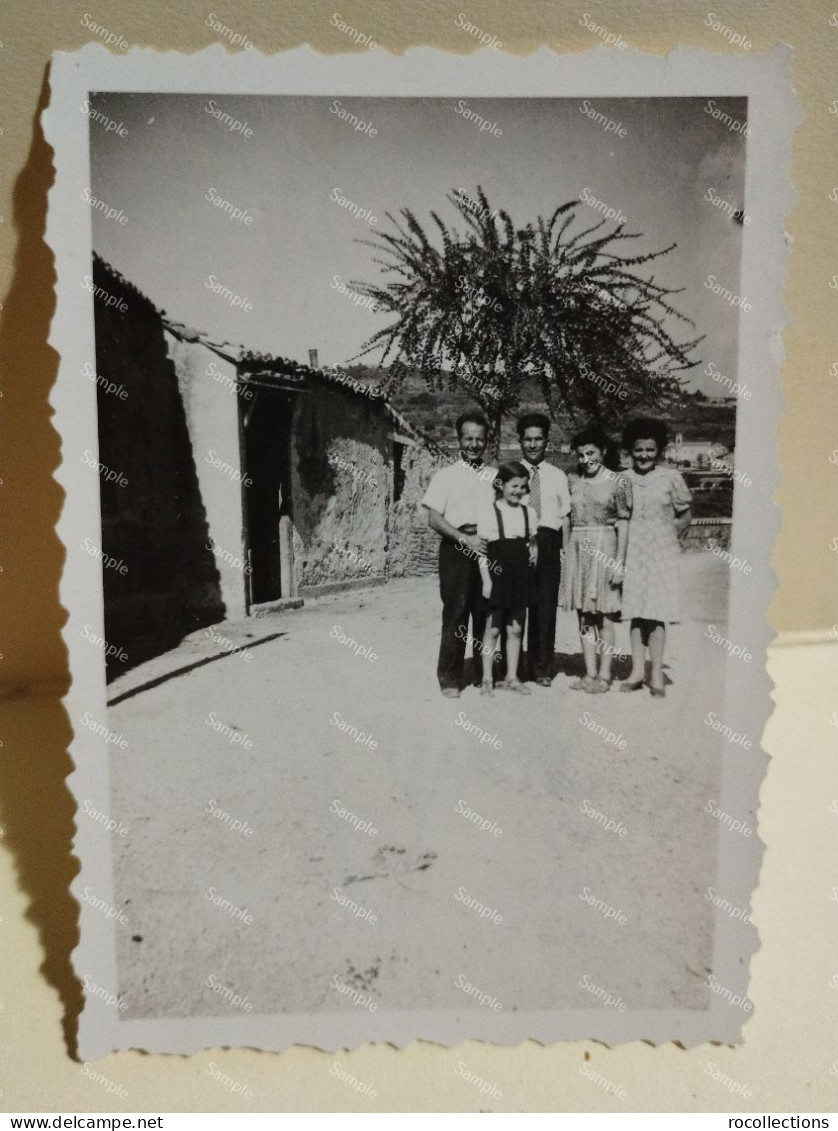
<point>600,504</point>
<point>660,513</point>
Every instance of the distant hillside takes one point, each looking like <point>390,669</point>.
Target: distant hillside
<point>434,412</point>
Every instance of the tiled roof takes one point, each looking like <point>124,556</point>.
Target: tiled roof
<point>269,366</point>
<point>242,358</point>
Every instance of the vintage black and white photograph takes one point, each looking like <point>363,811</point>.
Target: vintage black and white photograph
<point>421,464</point>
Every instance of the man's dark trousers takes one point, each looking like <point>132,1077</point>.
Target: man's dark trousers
<point>461,588</point>
<point>541,617</point>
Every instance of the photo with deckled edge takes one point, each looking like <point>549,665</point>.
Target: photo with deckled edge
<point>325,434</point>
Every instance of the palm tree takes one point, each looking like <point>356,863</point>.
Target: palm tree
<point>498,305</point>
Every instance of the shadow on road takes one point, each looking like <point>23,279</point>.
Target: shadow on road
<point>187,668</point>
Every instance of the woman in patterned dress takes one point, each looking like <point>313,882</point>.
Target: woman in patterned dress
<point>600,503</point>
<point>660,514</point>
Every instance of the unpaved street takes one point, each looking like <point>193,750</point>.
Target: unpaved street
<point>287,769</point>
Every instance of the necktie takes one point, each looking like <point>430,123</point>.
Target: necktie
<point>535,492</point>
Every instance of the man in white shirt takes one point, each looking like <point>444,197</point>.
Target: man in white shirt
<point>550,499</point>
<point>452,500</point>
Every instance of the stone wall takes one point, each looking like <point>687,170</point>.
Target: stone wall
<point>341,478</point>
<point>346,525</point>
<point>413,547</point>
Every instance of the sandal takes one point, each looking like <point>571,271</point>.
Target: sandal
<point>631,685</point>
<point>581,684</point>
<point>598,686</point>
<point>518,687</point>
<point>487,687</point>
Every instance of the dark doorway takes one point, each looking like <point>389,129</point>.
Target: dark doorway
<point>266,425</point>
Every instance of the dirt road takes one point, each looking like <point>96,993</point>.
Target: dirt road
<point>261,736</point>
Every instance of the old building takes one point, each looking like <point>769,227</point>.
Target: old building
<point>251,481</point>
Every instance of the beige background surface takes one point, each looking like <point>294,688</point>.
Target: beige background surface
<point>791,1044</point>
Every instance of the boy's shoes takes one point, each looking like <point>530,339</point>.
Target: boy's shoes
<point>544,681</point>
<point>450,692</point>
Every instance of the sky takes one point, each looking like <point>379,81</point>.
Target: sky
<point>159,172</point>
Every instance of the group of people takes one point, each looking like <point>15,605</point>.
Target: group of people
<point>521,540</point>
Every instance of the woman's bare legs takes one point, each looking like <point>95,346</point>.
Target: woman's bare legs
<point>588,635</point>
<point>606,635</point>
<point>639,639</point>
<point>649,634</point>
<point>657,640</point>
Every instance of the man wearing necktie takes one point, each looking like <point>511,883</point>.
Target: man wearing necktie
<point>452,500</point>
<point>550,499</point>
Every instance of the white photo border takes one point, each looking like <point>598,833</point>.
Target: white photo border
<point>773,114</point>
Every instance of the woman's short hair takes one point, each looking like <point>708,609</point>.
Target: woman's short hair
<point>507,471</point>
<point>533,420</point>
<point>471,418</point>
<point>645,428</point>
<point>595,435</point>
